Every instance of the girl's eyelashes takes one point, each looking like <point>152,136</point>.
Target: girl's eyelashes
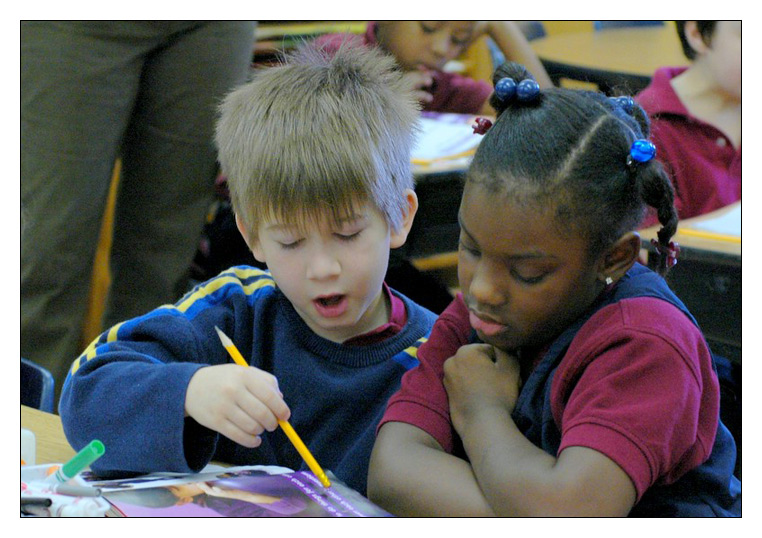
<point>465,246</point>
<point>521,274</point>
<point>525,279</point>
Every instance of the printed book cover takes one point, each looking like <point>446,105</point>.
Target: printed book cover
<point>251,491</point>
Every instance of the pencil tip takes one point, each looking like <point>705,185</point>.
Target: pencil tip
<point>221,334</point>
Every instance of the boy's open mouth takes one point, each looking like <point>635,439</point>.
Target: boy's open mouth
<point>329,301</point>
<point>331,306</point>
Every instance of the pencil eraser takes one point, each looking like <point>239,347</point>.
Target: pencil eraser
<point>28,447</point>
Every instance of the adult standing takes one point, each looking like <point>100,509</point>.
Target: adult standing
<point>145,92</point>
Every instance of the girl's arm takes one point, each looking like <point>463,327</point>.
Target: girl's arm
<point>518,478</point>
<point>410,475</point>
<point>516,48</point>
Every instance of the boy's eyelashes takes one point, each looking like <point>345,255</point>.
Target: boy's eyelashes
<point>343,237</point>
<point>289,245</point>
<point>348,236</point>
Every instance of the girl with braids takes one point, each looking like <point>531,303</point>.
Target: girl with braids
<point>566,379</point>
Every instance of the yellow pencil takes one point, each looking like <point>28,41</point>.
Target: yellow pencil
<point>285,426</point>
<point>304,452</point>
<point>230,347</point>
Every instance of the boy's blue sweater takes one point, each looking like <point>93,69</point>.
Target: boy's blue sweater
<point>128,387</point>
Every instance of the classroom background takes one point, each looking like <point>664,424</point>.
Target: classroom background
<point>548,38</point>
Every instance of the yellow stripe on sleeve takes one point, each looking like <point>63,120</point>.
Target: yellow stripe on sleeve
<point>219,282</point>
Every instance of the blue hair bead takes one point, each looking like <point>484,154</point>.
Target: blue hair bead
<point>642,151</point>
<point>627,103</point>
<point>527,90</point>
<point>505,89</point>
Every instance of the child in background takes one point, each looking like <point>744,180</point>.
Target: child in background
<point>317,155</point>
<point>696,114</point>
<point>566,379</point>
<point>422,48</point>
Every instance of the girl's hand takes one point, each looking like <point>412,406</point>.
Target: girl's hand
<point>480,376</point>
<point>240,403</point>
<point>421,81</point>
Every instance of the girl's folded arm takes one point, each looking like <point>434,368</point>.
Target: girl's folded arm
<point>520,479</point>
<point>410,475</point>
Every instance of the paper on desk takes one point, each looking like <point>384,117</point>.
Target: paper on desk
<point>728,223</point>
<point>444,136</point>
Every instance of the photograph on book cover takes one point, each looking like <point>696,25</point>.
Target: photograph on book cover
<point>235,492</point>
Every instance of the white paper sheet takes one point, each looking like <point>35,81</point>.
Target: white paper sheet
<point>444,136</point>
<point>728,223</point>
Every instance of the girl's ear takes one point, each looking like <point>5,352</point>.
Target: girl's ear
<point>255,247</point>
<point>620,257</point>
<point>399,237</point>
<point>694,38</point>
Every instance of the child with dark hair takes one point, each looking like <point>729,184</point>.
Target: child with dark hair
<point>567,379</point>
<point>422,48</point>
<point>317,156</point>
<point>696,116</point>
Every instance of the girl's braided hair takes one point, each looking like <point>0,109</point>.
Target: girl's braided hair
<point>568,150</point>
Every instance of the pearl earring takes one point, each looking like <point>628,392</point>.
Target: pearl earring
<point>609,281</point>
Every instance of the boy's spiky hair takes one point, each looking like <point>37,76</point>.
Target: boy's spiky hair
<point>314,136</point>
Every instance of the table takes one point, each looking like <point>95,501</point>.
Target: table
<point>620,60</point>
<point>707,278</point>
<point>50,441</point>
<point>275,37</point>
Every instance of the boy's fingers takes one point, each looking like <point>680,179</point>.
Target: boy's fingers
<point>256,415</point>
<point>264,389</point>
<point>246,422</point>
<point>235,434</point>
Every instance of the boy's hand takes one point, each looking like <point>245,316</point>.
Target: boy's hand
<point>421,81</point>
<point>479,376</point>
<point>240,403</point>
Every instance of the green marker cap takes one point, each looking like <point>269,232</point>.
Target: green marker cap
<point>83,459</point>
